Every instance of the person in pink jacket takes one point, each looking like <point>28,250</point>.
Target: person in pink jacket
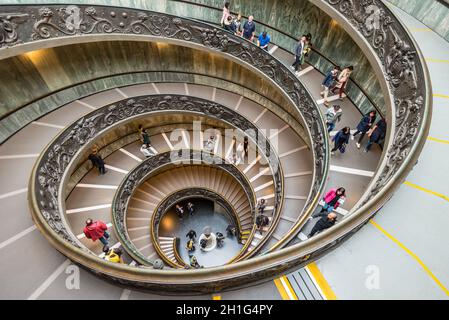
<point>333,199</point>
<point>96,230</point>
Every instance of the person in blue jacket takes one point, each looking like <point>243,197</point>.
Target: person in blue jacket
<point>364,126</point>
<point>341,139</point>
<point>377,135</point>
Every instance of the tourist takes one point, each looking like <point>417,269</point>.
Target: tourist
<point>299,53</point>
<point>377,134</point>
<point>113,255</point>
<point>230,25</point>
<point>341,139</point>
<point>179,211</point>
<point>231,230</point>
<point>264,40</point>
<point>96,230</point>
<point>333,115</point>
<point>245,145</point>
<point>238,25</point>
<point>329,82</point>
<point>203,244</point>
<point>146,150</point>
<point>261,222</point>
<point>240,151</point>
<point>144,136</point>
<point>234,159</point>
<point>226,13</point>
<point>343,79</point>
<point>220,239</point>
<point>249,29</point>
<point>325,222</point>
<point>190,246</point>
<point>209,145</point>
<point>364,126</point>
<point>261,206</point>
<point>190,209</point>
<point>332,200</point>
<point>97,161</point>
<point>191,234</point>
<point>194,262</point>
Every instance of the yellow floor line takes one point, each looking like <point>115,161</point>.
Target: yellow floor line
<point>439,95</point>
<point>216,297</point>
<point>414,256</point>
<point>290,291</point>
<point>438,140</point>
<point>321,282</point>
<point>442,196</point>
<point>419,29</point>
<point>436,60</point>
<point>281,289</point>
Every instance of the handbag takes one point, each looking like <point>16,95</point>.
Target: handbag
<point>342,148</point>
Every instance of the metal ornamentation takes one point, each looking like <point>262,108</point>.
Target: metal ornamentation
<point>55,21</point>
<point>150,167</point>
<point>8,28</point>
<point>59,154</point>
<point>404,74</point>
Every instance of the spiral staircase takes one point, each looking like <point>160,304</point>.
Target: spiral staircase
<point>288,162</point>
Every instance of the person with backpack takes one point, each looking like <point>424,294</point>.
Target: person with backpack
<point>364,126</point>
<point>341,139</point>
<point>96,230</point>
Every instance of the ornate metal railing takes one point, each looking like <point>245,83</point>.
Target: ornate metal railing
<point>152,166</point>
<point>397,62</point>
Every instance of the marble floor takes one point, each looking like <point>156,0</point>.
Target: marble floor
<point>204,215</point>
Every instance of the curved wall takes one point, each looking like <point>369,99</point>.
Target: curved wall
<point>293,17</point>
<point>433,13</point>
<point>37,74</point>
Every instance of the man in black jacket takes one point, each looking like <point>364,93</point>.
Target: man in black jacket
<point>326,221</point>
<point>97,161</point>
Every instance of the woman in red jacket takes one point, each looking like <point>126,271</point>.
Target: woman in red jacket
<point>96,231</point>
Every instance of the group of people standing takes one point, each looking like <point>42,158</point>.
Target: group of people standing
<point>181,210</point>
<point>336,79</point>
<point>246,30</point>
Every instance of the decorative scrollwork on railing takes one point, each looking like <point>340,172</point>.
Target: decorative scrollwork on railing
<point>8,27</point>
<point>404,73</point>
<point>55,21</point>
<point>151,167</point>
<point>59,154</point>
